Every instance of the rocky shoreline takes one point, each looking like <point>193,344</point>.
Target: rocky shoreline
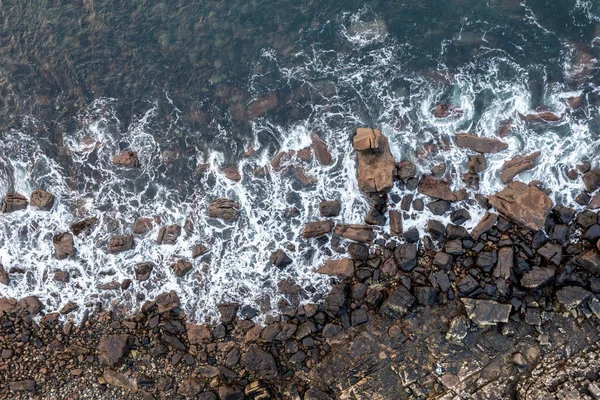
<point>508,310</point>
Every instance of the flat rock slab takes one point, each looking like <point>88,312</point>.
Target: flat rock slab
<point>356,232</point>
<point>514,167</point>
<point>572,296</point>
<point>486,312</point>
<point>537,278</point>
<point>343,268</point>
<point>398,303</point>
<point>320,148</point>
<point>436,189</point>
<point>480,144</point>
<point>317,229</point>
<point>376,164</point>
<point>526,205</point>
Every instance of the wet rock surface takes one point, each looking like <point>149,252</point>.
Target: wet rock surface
<point>376,165</point>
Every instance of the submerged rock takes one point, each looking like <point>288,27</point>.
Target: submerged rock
<point>486,312</point>
<point>42,200</point>
<point>224,209</point>
<point>127,158</point>
<point>279,259</point>
<point>446,111</point>
<point>13,202</point>
<point>480,144</point>
<point>526,205</point>
<point>320,148</point>
<point>376,165</point>
<point>545,116</point>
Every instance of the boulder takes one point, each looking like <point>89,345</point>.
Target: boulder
<point>329,208</point>
<point>181,267</point>
<point>320,148</point>
<point>4,277</point>
<point>398,303</point>
<point>376,165</point>
<point>279,259</point>
<point>84,226</point>
<point>477,163</point>
<point>63,245</point>
<point>406,170</point>
<point>335,301</point>
<point>26,385</point>
<point>127,158</point>
<point>506,261</point>
<point>120,243</point>
<point>358,251</point>
<point>32,304</point>
<point>486,312</point>
<point>552,252</point>
<point>545,116</point>
<point>375,217</point>
<point>317,229</point>
<point>112,348</point>
<point>168,234</point>
<point>591,179</point>
<point>486,223</point>
<point>480,144</point>
<point>228,312</point>
<point>572,296</point>
<point>120,380</point>
<point>343,268</point>
<point>262,105</point>
<point>232,173</point>
<point>143,270</point>
<point>42,200</point>
<point>406,256</point>
<point>198,334</point>
<point>13,202</point>
<point>167,301</point>
<point>258,361</point>
<point>355,232</point>
<point>589,260</point>
<point>436,189</point>
<point>142,225</point>
<point>514,167</point>
<point>537,278</point>
<point>224,209</point>
<point>525,205</point>
<point>395,223</point>
<point>199,250</point>
<point>446,111</point>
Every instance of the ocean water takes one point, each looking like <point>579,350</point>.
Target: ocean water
<point>174,81</point>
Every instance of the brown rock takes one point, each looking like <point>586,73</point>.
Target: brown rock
<point>396,228</point>
<point>376,165</point>
<point>526,205</point>
<point>575,102</point>
<point>4,277</point>
<point>143,270</point>
<point>343,268</point>
<point>63,245</point>
<point>258,361</point>
<point>356,232</point>
<point>199,250</point>
<point>201,169</point>
<point>127,158</point>
<point>591,179</point>
<point>317,229</point>
<point>262,105</point>
<point>512,168</point>
<point>190,387</point>
<point>13,202</point>
<point>61,276</point>
<point>505,128</point>
<point>552,252</point>
<point>232,173</point>
<point>84,226</point>
<point>480,144</point>
<point>329,208</point>
<point>224,209</point>
<point>198,334</point>
<point>142,225</point>
<point>281,159</point>
<point>120,380</point>
<point>42,200</point>
<point>26,385</point>
<point>477,163</point>
<point>540,117</point>
<point>181,267</point>
<point>435,188</point>
<point>446,110</point>
<point>167,301</point>
<point>320,148</point>
<point>301,177</point>
<point>120,243</point>
<point>484,225</point>
<point>32,304</point>
<point>168,235</point>
<point>113,347</point>
<point>304,154</point>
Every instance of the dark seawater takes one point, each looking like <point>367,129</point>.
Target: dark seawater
<point>178,82</point>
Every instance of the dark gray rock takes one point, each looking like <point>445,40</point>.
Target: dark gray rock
<point>398,303</point>
<point>537,278</point>
<point>486,312</point>
<point>335,301</point>
<point>443,260</point>
<point>486,260</point>
<point>406,256</point>
<point>258,361</point>
<point>506,261</point>
<point>467,285</point>
<point>460,216</point>
<point>572,296</point>
<point>411,235</point>
<point>552,252</point>
<point>439,207</point>
<point>329,208</point>
<point>425,295</point>
<point>358,251</point>
<point>436,229</point>
<point>280,259</point>
<point>454,247</point>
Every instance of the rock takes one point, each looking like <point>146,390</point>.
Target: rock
<point>142,225</point>
<point>13,202</point>
<point>4,277</point>
<point>594,203</point>
<point>443,260</point>
<point>113,347</point>
<point>343,268</point>
<point>190,387</point>
<point>335,300</point>
<point>358,251</point>
<point>172,341</point>
<point>552,252</point>
<point>120,380</point>
<point>329,208</point>
<point>398,303</point>
<point>545,116</point>
<point>523,204</point>
<point>224,209</point>
<point>127,158</point>
<point>425,295</point>
<point>436,189</point>
<point>589,260</point>
<point>32,304</point>
<point>258,361</point>
<point>586,218</point>
<point>279,259</point>
<point>181,267</point>
<point>537,278</point>
<point>198,334</point>
<point>84,226</point>
<point>460,216</point>
<point>61,276</point>
<point>486,312</point>
<point>63,245</point>
<point>439,207</point>
<point>456,232</point>
<point>436,229</point>
<point>406,256</point>
<point>320,148</point>
<point>168,235</point>
<point>480,144</point>
<point>459,328</point>
<point>477,163</point>
<point>199,250</point>
<point>412,235</point>
<point>120,243</point>
<point>591,179</point>
<point>230,393</point>
<point>396,228</point>
<point>26,385</point>
<point>376,165</point>
<point>143,270</point>
<point>446,111</point>
<point>228,312</point>
<point>486,260</point>
<point>69,307</point>
<point>317,229</point>
<point>406,170</point>
<point>232,173</point>
<point>514,167</point>
<point>42,200</point>
<point>358,233</point>
<point>302,178</point>
<point>506,260</point>
<point>262,105</point>
<point>467,285</point>
<point>167,301</point>
<point>572,296</point>
<point>375,217</point>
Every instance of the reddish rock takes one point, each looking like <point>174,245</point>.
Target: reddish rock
<point>224,209</point>
<point>343,268</point>
<point>168,234</point>
<point>13,202</point>
<point>320,148</point>
<point>63,245</point>
<point>120,380</point>
<point>396,228</point>
<point>484,225</point>
<point>42,200</point>
<point>113,348</point>
<point>232,173</point>
<point>282,159</point>
<point>575,102</point>
<point>198,334</point>
<point>181,267</point>
<point>435,188</point>
<point>504,128</point>
<point>512,168</point>
<point>480,144</point>
<point>526,205</point>
<point>545,116</point>
<point>358,233</point>
<point>304,154</point>
<point>142,225</point>
<point>199,250</point>
<point>120,243</point>
<point>84,226</point>
<point>262,105</point>
<point>302,178</point>
<point>127,158</point>
<point>376,165</point>
<point>317,229</point>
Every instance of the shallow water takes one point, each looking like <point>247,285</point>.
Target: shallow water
<point>173,82</point>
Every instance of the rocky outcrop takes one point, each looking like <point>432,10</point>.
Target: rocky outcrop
<point>13,202</point>
<point>523,204</point>
<point>224,209</point>
<point>42,200</point>
<point>127,158</point>
<point>480,144</point>
<point>376,165</point>
<point>514,167</point>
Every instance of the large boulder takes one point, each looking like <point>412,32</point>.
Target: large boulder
<point>168,234</point>
<point>356,232</point>
<point>526,205</point>
<point>224,209</point>
<point>84,226</point>
<point>514,167</point>
<point>42,200</point>
<point>376,165</point>
<point>13,202</point>
<point>343,268</point>
<point>480,144</point>
<point>258,361</point>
